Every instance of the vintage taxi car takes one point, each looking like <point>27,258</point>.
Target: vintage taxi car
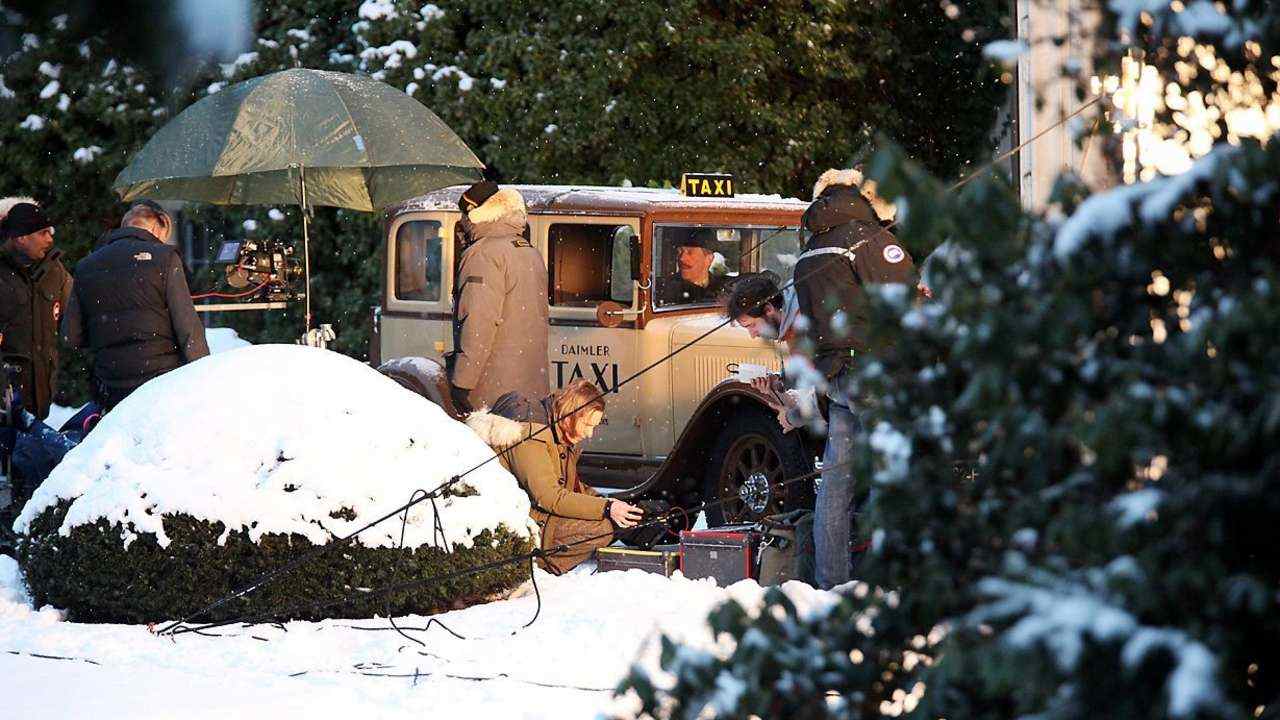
<point>685,430</point>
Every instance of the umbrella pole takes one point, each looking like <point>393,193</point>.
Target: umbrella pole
<point>306,251</point>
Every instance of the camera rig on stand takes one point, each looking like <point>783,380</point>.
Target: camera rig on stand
<point>261,274</point>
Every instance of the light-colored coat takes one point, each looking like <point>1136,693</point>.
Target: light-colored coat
<point>500,308</point>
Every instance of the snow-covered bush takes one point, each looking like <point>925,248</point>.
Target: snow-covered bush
<point>1110,391</point>
<point>214,473</point>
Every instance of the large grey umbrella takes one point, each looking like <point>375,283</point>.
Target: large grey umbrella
<point>303,137</point>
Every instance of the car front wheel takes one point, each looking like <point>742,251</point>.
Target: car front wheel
<point>750,460</point>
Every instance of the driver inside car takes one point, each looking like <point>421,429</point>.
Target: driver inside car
<point>698,278</point>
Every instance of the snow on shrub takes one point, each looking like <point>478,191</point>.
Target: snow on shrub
<point>224,339</point>
<point>246,458</point>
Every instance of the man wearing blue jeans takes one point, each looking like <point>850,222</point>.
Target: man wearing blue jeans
<point>834,505</point>
<point>757,304</point>
<point>848,249</point>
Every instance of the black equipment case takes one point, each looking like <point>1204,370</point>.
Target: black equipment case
<point>662,559</point>
<point>786,548</point>
<point>726,554</point>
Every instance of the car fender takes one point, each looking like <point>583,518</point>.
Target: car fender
<point>678,480</point>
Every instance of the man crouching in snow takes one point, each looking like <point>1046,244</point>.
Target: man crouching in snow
<point>546,466</point>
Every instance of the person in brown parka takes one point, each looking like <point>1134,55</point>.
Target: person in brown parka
<point>500,317</point>
<point>544,460</point>
<point>34,287</point>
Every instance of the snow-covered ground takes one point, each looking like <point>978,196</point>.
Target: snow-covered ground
<point>590,631</point>
<point>223,339</point>
<point>230,438</point>
<point>60,414</point>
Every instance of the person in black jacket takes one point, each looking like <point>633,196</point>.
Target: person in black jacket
<point>849,249</point>
<point>132,308</point>
<point>33,294</point>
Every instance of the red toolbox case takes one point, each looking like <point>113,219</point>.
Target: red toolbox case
<point>726,554</point>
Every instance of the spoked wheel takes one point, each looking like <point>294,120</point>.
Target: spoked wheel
<point>747,478</point>
<point>750,460</point>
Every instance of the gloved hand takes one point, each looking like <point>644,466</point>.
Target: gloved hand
<point>318,336</point>
<point>461,398</point>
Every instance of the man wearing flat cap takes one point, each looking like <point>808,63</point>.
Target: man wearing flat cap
<point>695,281</point>
<point>34,287</point>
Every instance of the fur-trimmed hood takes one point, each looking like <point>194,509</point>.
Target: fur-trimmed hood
<point>6,204</point>
<point>885,210</point>
<point>851,177</point>
<point>506,204</point>
<point>498,432</point>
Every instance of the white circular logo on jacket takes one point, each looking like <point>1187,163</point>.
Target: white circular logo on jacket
<point>894,254</point>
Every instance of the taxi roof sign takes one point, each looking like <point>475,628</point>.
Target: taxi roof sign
<point>712,185</point>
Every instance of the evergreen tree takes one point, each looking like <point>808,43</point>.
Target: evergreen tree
<point>1073,454</point>
<point>608,92</point>
<point>71,115</point>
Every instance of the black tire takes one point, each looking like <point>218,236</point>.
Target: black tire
<point>752,448</point>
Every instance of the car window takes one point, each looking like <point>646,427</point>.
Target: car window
<point>418,258</point>
<point>589,263</point>
<point>780,249</point>
<point>693,264</point>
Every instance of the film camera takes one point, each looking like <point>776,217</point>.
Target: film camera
<point>261,271</point>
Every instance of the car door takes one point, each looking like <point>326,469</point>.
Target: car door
<point>589,262</point>
<point>416,316</point>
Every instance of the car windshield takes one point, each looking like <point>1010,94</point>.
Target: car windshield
<point>780,250</point>
<point>695,263</point>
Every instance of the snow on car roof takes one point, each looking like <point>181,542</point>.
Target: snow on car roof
<point>595,198</point>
